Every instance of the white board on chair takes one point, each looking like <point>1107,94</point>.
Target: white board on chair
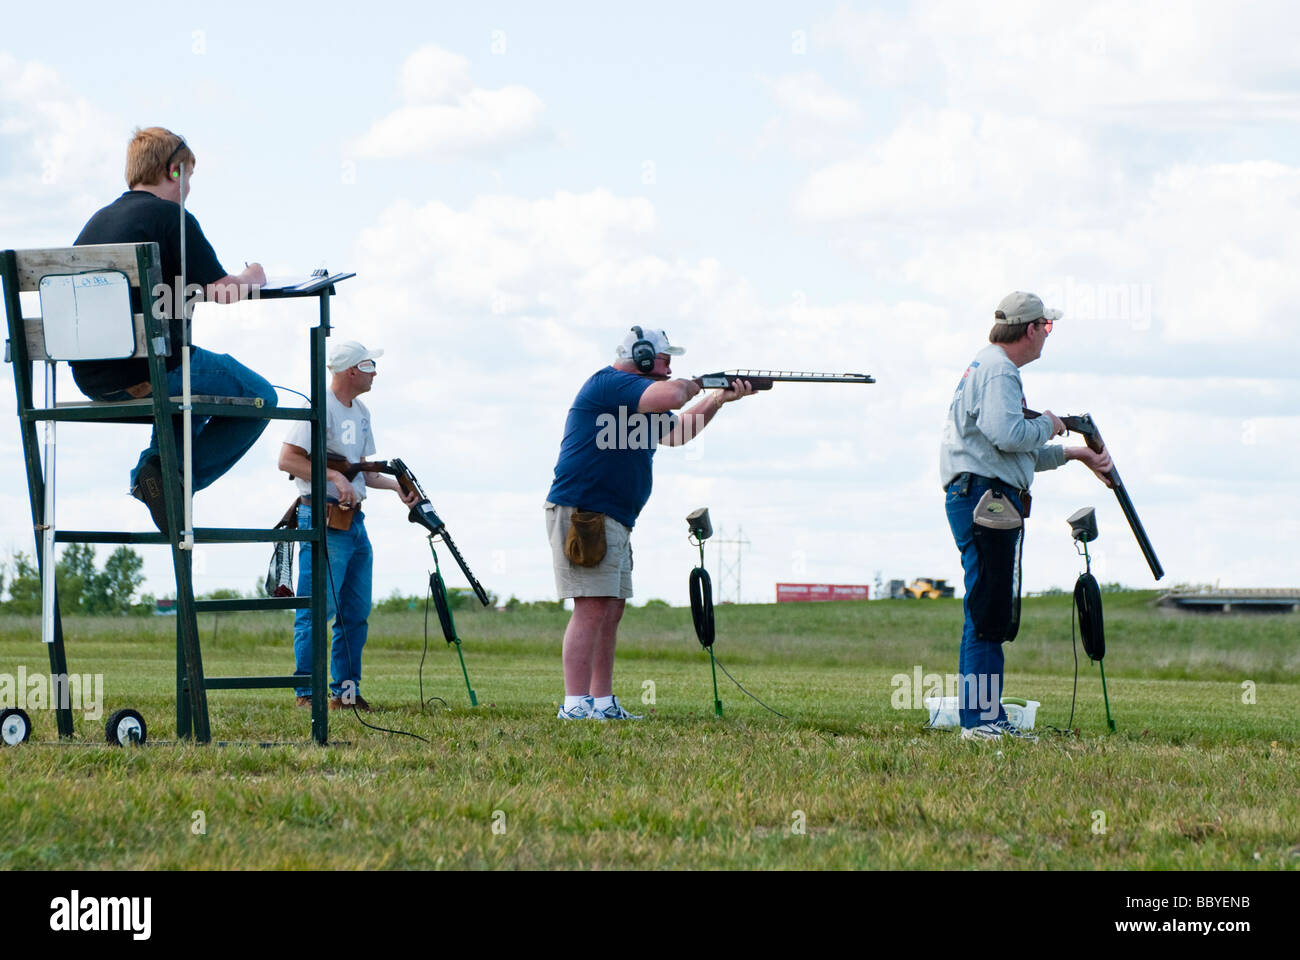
<point>87,316</point>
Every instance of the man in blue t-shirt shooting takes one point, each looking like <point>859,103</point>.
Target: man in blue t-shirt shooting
<point>603,475</point>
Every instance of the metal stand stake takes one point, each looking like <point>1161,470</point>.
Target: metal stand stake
<point>449,621</point>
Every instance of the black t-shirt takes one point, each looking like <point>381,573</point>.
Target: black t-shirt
<point>138,216</point>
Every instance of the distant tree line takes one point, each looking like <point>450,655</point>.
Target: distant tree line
<point>458,598</point>
<point>112,591</point>
<point>82,588</point>
<point>1113,586</point>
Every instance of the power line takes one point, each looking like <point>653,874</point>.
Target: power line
<point>729,564</point>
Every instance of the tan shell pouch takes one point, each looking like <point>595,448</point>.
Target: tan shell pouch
<point>337,518</point>
<point>584,545</point>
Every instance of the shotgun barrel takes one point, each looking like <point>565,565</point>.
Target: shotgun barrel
<point>763,379</point>
<point>422,513</point>
<point>1087,428</point>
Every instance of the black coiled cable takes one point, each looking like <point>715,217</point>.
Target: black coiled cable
<point>702,605</point>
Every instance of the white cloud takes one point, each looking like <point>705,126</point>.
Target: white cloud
<point>1200,255</point>
<point>809,95</point>
<point>59,155</point>
<point>504,257</point>
<point>1059,148</point>
<point>950,165</point>
<point>1132,60</point>
<point>433,75</point>
<point>444,115</point>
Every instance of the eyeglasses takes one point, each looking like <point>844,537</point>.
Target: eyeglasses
<point>366,366</point>
<point>1046,323</point>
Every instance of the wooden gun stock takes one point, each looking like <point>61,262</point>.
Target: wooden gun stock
<point>350,470</point>
<point>1087,428</point>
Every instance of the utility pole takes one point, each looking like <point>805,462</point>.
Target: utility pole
<point>729,564</point>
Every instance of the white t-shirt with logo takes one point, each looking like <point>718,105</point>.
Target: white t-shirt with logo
<point>347,434</point>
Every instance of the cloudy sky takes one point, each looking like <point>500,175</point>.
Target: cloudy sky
<point>820,186</point>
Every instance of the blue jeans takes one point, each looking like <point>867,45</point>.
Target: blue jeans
<point>219,442</point>
<point>348,577</point>
<point>980,664</point>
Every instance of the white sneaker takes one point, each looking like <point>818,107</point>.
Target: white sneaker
<point>583,710</point>
<point>985,731</point>
<point>1009,729</point>
<point>614,711</point>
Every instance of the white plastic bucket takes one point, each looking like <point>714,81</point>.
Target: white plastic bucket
<point>944,715</point>
<point>943,712</point>
<point>1022,717</point>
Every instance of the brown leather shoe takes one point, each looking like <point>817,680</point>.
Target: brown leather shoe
<point>336,703</point>
<point>303,702</point>
<point>148,490</point>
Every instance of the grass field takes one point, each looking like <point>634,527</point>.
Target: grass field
<point>1195,778</point>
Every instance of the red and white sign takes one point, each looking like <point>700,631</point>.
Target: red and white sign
<point>806,592</point>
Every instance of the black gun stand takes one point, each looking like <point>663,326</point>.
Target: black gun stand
<point>1087,603</point>
<point>701,590</point>
<point>438,588</point>
<point>191,684</point>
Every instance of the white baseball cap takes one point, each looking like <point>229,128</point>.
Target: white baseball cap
<point>1019,307</point>
<point>657,338</point>
<point>348,354</point>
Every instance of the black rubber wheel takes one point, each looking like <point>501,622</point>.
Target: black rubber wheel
<point>15,727</point>
<point>125,728</point>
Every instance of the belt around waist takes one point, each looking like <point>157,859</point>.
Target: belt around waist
<point>964,479</point>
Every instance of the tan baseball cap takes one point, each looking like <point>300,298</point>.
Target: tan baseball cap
<point>1020,307</point>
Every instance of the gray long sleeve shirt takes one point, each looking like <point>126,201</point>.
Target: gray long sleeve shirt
<point>986,432</point>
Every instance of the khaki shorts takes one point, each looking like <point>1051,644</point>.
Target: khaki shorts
<point>612,577</point>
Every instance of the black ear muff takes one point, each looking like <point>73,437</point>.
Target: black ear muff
<point>1087,600</point>
<point>176,174</point>
<point>643,352</point>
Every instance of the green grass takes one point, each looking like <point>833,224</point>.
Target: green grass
<point>1194,777</point>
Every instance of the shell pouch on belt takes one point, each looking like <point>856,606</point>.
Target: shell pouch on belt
<point>338,517</point>
<point>584,544</point>
<point>994,603</point>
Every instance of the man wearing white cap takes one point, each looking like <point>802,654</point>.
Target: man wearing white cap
<point>348,435</point>
<point>987,460</point>
<point>603,475</point>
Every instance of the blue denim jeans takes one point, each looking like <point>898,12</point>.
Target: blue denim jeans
<point>348,579</point>
<point>219,442</point>
<point>980,663</point>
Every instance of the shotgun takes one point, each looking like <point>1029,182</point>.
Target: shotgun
<point>1086,428</point>
<point>763,379</point>
<point>422,513</point>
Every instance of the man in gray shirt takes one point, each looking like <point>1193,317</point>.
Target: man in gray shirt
<point>988,444</point>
